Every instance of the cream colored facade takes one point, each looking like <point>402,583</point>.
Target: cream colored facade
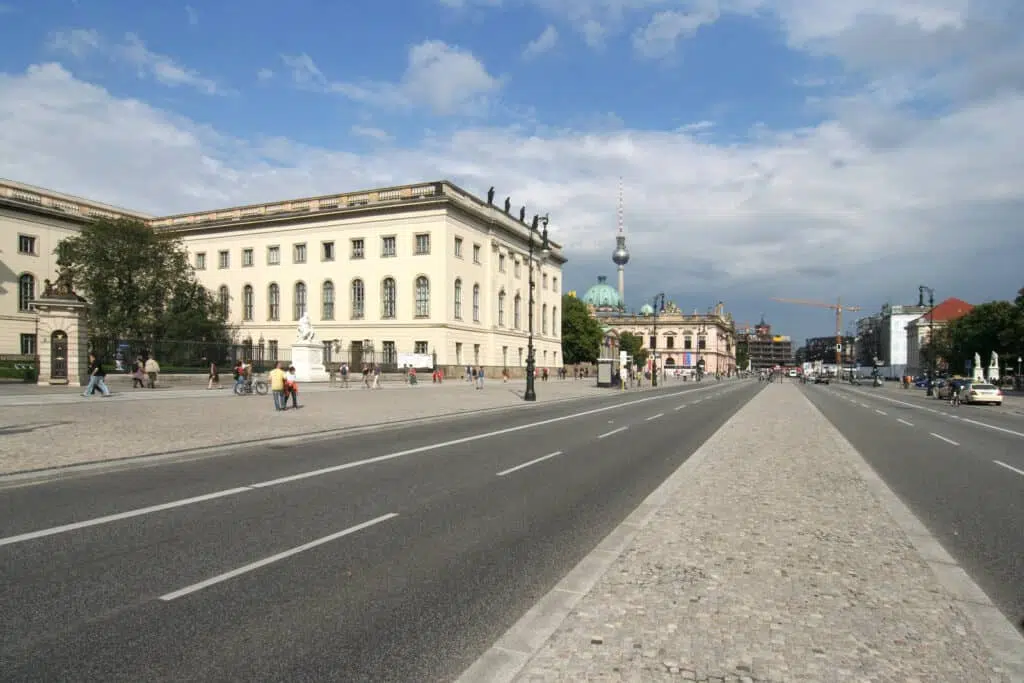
<point>417,269</point>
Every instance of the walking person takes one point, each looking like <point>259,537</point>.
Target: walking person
<point>138,374</point>
<point>152,371</point>
<point>277,380</point>
<point>291,388</point>
<point>344,375</point>
<point>479,377</point>
<point>96,377</point>
<point>214,377</point>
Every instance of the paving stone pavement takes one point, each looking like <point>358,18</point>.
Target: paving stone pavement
<point>772,561</point>
<point>57,430</point>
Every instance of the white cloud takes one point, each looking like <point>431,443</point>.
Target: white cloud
<point>444,78</point>
<point>265,74</point>
<point>659,37</point>
<point>847,203</point>
<point>542,43</point>
<point>78,42</point>
<point>192,14</point>
<point>370,132</point>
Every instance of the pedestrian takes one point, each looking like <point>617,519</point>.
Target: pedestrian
<point>214,376</point>
<point>344,375</point>
<point>152,371</point>
<point>96,377</point>
<point>479,377</point>
<point>291,387</point>
<point>277,379</point>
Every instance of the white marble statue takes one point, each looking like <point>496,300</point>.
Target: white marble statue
<point>977,373</point>
<point>993,368</point>
<point>305,332</point>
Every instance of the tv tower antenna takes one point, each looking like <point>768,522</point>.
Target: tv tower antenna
<point>621,255</point>
<point>622,218</point>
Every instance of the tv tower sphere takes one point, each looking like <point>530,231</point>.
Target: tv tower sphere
<point>621,255</point>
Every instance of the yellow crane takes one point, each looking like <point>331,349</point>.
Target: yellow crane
<point>838,307</point>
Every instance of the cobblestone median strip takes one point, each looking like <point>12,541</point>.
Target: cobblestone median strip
<point>768,556</point>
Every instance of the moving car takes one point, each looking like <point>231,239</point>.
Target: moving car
<point>945,388</point>
<point>978,392</point>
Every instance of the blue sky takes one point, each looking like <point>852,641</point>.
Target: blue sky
<point>807,149</point>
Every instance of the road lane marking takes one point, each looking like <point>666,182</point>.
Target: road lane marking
<point>20,538</point>
<point>614,431</point>
<point>881,412</point>
<point>900,419</point>
<point>1009,467</point>
<point>527,464</point>
<point>654,417</point>
<point>220,578</point>
<point>107,519</point>
<point>940,436</point>
<point>680,407</point>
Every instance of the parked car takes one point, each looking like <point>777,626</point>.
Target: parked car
<point>979,392</point>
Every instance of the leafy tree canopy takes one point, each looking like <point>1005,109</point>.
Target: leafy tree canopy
<point>633,344</point>
<point>994,326</point>
<point>140,284</point>
<point>581,333</point>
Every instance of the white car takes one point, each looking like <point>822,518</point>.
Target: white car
<point>981,393</point>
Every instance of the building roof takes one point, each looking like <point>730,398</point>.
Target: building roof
<point>948,310</point>
<point>602,295</point>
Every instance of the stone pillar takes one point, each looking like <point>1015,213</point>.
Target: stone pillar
<point>63,340</point>
<point>308,359</point>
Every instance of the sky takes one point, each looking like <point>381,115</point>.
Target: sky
<point>809,149</point>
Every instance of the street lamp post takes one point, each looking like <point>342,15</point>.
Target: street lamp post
<point>929,391</point>
<point>545,248</point>
<point>1018,373</point>
<point>658,303</point>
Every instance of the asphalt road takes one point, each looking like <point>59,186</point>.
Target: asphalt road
<point>960,470</point>
<point>395,556</point>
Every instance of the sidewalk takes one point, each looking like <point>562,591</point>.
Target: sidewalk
<point>38,432</point>
<point>772,559</point>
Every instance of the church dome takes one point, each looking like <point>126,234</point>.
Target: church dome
<point>647,309</point>
<point>602,295</point>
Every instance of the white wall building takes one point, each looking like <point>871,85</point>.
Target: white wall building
<point>895,319</point>
<point>423,268</point>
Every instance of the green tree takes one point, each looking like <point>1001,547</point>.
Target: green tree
<point>140,284</point>
<point>994,326</point>
<point>581,333</point>
<point>742,355</point>
<point>633,344</point>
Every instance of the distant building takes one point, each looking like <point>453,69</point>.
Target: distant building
<point>823,349</point>
<point>919,329</point>
<point>868,343</point>
<point>766,350</point>
<point>894,320</point>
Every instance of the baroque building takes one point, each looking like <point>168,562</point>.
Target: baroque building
<point>417,269</point>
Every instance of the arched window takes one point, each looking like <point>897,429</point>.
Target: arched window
<point>458,299</point>
<point>556,331</point>
<point>517,312</point>
<point>26,291</point>
<point>476,303</point>
<point>501,308</point>
<point>544,319</point>
<point>422,297</point>
<point>273,302</point>
<point>300,300</point>
<point>328,300</point>
<point>224,299</point>
<point>388,295</point>
<point>358,299</point>
<point>248,302</point>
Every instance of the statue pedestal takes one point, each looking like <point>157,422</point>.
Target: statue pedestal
<point>63,341</point>
<point>308,359</point>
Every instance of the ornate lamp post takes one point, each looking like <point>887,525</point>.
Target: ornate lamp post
<point>545,250</point>
<point>702,331</point>
<point>929,391</point>
<point>659,305</point>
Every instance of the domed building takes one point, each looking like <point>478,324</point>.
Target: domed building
<point>602,297</point>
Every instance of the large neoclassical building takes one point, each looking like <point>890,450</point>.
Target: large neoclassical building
<point>417,269</point>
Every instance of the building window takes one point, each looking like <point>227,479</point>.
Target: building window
<point>670,342</point>
<point>299,253</point>
<point>224,259</point>
<point>421,347</point>
<point>422,297</point>
<point>702,343</point>
<point>504,356</point>
<point>327,251</point>
<point>358,299</point>
<point>248,302</point>
<point>501,309</point>
<point>517,312</point>
<point>201,260</point>
<point>224,299</point>
<point>28,345</point>
<point>518,268</point>
<point>273,256</point>
<point>458,247</point>
<point>388,294</point>
<point>554,284</point>
<point>272,349</point>
<point>544,319</point>
<point>299,308</point>
<point>501,263</point>
<point>26,292</point>
<point>390,354</point>
<point>653,342</point>
<point>476,253</point>
<point>27,245</point>
<point>358,248</point>
<point>273,302</point>
<point>544,281</point>
<point>687,343</point>
<point>388,247</point>
<point>422,244</point>
<point>555,330</point>
<point>328,300</point>
<point>458,353</point>
<point>247,258</point>
<point>458,300</point>
<point>476,354</point>
<point>476,303</point>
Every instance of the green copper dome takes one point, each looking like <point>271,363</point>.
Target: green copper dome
<point>602,295</point>
<point>647,309</point>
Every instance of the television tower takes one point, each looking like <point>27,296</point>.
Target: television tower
<point>621,255</point>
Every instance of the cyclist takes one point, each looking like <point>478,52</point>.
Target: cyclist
<point>954,393</point>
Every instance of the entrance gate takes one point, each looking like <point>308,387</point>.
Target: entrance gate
<point>59,355</point>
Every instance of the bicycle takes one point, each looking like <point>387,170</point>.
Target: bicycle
<point>255,386</point>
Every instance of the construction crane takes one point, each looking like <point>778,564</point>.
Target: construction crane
<point>838,307</point>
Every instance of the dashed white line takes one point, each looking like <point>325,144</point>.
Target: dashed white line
<point>881,412</point>
<point>273,558</point>
<point>900,419</point>
<point>680,407</point>
<point>941,437</point>
<point>1009,467</point>
<point>527,464</point>
<point>614,431</point>
<point>654,417</point>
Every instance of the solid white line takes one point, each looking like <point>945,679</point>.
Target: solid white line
<point>273,558</point>
<point>328,470</point>
<point>940,436</point>
<point>654,417</point>
<point>20,538</point>
<point>1009,467</point>
<point>614,431</point>
<point>527,464</point>
<point>679,407</point>
<point>900,419</point>
<point>881,412</point>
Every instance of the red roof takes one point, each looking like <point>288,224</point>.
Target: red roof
<point>950,309</point>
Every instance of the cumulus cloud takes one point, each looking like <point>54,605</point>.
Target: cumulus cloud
<point>659,37</point>
<point>542,43</point>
